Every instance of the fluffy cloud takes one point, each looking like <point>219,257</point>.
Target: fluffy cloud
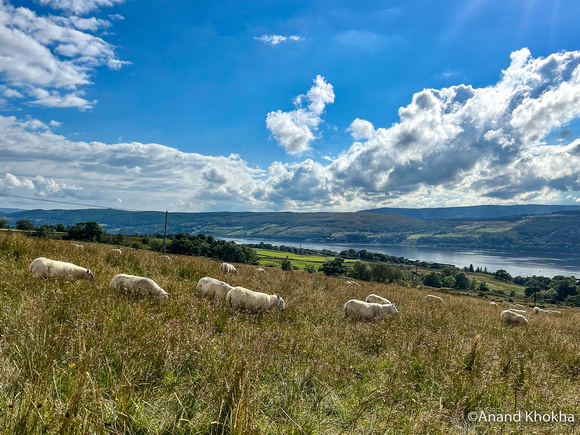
<point>506,143</point>
<point>35,161</point>
<point>295,130</point>
<point>48,58</point>
<point>79,7</point>
<point>277,39</point>
<point>361,129</point>
<point>467,145</point>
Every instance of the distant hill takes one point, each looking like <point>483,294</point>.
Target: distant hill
<point>297,226</point>
<point>555,231</point>
<point>474,212</point>
<point>10,210</point>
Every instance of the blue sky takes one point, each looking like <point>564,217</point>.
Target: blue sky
<point>330,106</point>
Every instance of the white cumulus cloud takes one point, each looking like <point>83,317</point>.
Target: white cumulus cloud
<point>46,59</point>
<point>79,7</point>
<point>295,130</point>
<point>278,39</point>
<point>509,142</point>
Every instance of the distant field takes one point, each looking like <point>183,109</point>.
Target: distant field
<point>76,358</point>
<point>267,256</point>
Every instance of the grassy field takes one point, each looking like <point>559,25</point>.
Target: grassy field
<point>77,359</point>
<point>271,257</point>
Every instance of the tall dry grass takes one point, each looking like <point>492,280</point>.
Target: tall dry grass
<point>75,358</point>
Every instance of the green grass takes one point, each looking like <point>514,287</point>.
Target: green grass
<point>76,358</point>
<point>417,236</point>
<point>272,257</point>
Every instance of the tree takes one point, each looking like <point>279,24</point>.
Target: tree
<point>286,264</point>
<point>471,268</point>
<point>361,270</point>
<point>3,223</point>
<point>573,301</point>
<point>483,287</point>
<point>461,281</point>
<point>60,228</point>
<point>503,275</point>
<point>85,231</point>
<point>334,267</point>
<point>384,273</point>
<point>24,225</point>
<point>533,286</point>
<point>564,287</point>
<point>432,280</point>
<point>43,231</point>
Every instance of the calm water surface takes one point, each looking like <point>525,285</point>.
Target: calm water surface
<point>523,263</point>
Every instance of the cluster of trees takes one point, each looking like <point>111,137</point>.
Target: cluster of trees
<point>451,277</point>
<point>559,288</point>
<point>207,246</point>
<point>363,271</point>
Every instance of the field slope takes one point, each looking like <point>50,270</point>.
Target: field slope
<point>75,358</point>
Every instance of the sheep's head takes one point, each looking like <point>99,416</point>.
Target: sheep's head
<point>281,303</point>
<point>90,276</point>
<point>164,296</point>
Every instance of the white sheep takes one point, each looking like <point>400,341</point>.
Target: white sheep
<point>510,318</point>
<point>242,299</point>
<point>555,312</point>
<point>213,288</point>
<point>76,245</point>
<point>46,268</point>
<point>538,310</point>
<point>165,257</point>
<point>259,269</point>
<point>368,311</point>
<point>493,303</point>
<point>353,283</point>
<point>377,300</point>
<point>228,268</point>
<point>521,307</point>
<point>431,298</point>
<point>516,311</point>
<point>116,251</point>
<point>137,285</point>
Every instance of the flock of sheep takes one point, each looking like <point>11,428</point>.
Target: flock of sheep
<point>243,299</point>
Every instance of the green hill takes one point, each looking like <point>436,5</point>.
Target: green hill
<point>557,231</point>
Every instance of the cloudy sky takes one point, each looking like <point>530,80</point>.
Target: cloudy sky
<point>291,105</point>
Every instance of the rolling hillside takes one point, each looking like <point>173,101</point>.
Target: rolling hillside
<point>557,231</point>
<point>76,358</point>
<point>474,212</point>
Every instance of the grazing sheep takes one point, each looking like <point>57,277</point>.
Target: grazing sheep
<point>516,311</point>
<point>374,299</point>
<point>259,269</point>
<point>47,268</point>
<point>538,310</point>
<point>521,307</point>
<point>510,318</point>
<point>431,298</point>
<point>76,245</point>
<point>228,268</point>
<point>116,251</point>
<point>555,312</point>
<point>213,288</point>
<point>493,303</point>
<point>242,299</point>
<point>368,311</point>
<point>137,285</point>
<point>165,257</point>
<point>353,283</point>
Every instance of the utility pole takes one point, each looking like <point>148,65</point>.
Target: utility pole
<point>165,233</point>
